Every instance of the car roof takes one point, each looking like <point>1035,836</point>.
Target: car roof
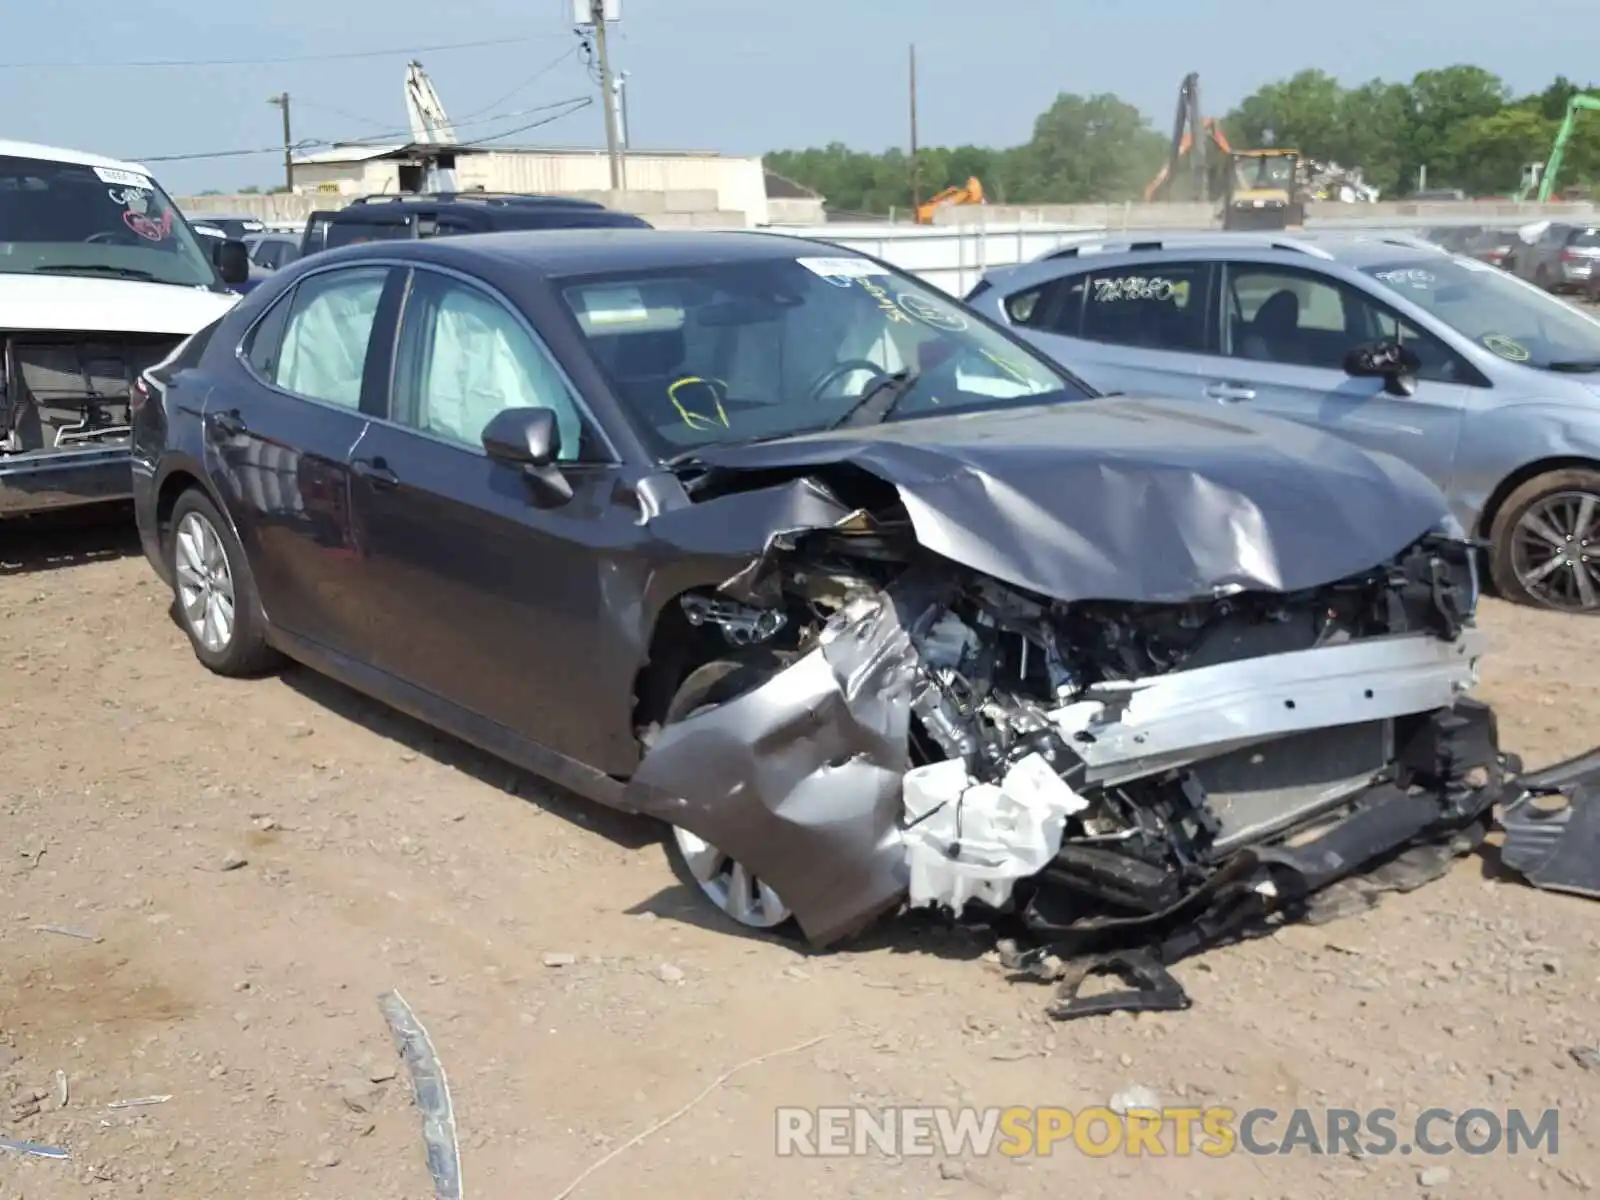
<point>1356,250</point>
<point>76,157</point>
<point>560,252</point>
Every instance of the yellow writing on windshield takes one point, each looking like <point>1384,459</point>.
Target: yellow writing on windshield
<point>716,388</point>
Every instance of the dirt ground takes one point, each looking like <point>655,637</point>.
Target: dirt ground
<point>241,869</point>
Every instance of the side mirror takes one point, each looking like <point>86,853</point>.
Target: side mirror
<point>1396,365</point>
<point>524,437</point>
<point>232,260</point>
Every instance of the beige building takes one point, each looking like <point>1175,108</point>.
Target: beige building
<point>732,188</point>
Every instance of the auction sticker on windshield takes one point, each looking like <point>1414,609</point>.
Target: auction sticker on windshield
<point>123,178</point>
<point>842,268</point>
<point>1505,347</point>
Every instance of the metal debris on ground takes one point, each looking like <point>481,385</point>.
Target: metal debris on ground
<point>80,934</point>
<point>432,1093</point>
<point>1552,831</point>
<point>62,1094</point>
<point>139,1102</point>
<point>32,1149</point>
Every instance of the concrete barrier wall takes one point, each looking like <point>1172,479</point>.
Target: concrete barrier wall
<point>1323,213</point>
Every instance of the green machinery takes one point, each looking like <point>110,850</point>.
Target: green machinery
<point>1552,167</point>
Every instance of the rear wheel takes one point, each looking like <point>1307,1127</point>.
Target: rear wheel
<point>1546,542</point>
<point>728,884</point>
<point>217,604</point>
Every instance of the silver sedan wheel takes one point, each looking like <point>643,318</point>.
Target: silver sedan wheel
<point>205,583</point>
<point>1555,551</point>
<point>728,885</point>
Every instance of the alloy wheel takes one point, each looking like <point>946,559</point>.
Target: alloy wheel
<point>728,885</point>
<point>1555,551</point>
<point>205,583</point>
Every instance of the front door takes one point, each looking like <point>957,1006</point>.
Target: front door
<point>1285,334</point>
<point>474,589</point>
<point>280,444</point>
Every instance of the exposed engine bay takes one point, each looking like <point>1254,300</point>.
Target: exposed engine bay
<point>60,392</point>
<point>1113,784</point>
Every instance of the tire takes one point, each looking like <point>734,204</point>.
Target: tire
<point>207,562</point>
<point>1514,558</point>
<point>695,862</point>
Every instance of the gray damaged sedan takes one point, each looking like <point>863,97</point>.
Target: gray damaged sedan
<point>1482,381</point>
<point>869,602</point>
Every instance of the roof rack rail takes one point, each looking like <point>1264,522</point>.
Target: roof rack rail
<point>476,198</point>
<point>1191,240</point>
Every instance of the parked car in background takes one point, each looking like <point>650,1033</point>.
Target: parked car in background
<point>237,228</point>
<point>400,217</point>
<point>314,237</point>
<point>1563,259</point>
<point>270,251</point>
<point>100,277</point>
<point>789,549</point>
<point>1492,246</point>
<point>1455,238</point>
<point>1477,378</point>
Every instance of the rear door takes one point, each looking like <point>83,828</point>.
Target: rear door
<point>1285,332</point>
<point>1140,329</point>
<point>279,437</point>
<point>472,590</point>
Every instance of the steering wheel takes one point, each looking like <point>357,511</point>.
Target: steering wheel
<point>110,237</point>
<point>840,370</point>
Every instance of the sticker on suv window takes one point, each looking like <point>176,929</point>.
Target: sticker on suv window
<point>123,178</point>
<point>1409,277</point>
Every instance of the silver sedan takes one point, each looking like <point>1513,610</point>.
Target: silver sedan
<point>1483,381</point>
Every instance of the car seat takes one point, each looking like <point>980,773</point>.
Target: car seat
<point>1273,334</point>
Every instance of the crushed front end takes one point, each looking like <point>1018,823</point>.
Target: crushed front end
<point>1112,784</point>
<point>64,415</point>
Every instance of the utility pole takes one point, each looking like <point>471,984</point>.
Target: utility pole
<point>916,173</point>
<point>597,17</point>
<point>281,100</point>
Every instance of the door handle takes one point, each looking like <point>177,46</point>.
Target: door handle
<point>228,424</point>
<point>375,471</point>
<point>1230,392</point>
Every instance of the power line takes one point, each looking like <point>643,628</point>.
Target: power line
<point>569,52</point>
<point>160,63</point>
<point>571,105</point>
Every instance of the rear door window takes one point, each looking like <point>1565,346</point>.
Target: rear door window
<point>1154,306</point>
<point>1586,239</point>
<point>324,348</point>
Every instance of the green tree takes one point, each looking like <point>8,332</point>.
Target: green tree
<point>1490,151</point>
<point>1443,103</point>
<point>1375,124</point>
<point>1304,112</point>
<point>1088,149</point>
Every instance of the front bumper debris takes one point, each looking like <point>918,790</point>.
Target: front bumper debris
<point>1552,830</point>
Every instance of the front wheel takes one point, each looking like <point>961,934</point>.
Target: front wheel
<point>1545,542</point>
<point>730,886</point>
<point>215,592</point>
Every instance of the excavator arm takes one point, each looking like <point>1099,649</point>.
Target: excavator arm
<point>1192,135</point>
<point>970,192</point>
<point>1552,167</point>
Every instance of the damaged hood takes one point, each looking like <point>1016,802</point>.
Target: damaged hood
<point>76,304</point>
<point>1126,499</point>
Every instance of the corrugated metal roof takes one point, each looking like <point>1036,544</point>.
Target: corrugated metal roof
<point>347,154</point>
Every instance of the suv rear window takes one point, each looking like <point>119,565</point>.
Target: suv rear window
<point>1585,237</point>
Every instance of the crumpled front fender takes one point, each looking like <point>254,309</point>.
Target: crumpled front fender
<point>800,779</point>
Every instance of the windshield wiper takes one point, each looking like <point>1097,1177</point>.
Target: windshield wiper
<point>1583,366</point>
<point>877,403</point>
<point>94,269</point>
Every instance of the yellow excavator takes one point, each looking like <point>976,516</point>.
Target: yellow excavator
<point>970,192</point>
<point>1261,189</point>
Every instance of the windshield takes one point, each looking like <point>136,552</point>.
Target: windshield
<point>1253,173</point>
<point>1515,320</point>
<point>63,218</point>
<point>735,351</point>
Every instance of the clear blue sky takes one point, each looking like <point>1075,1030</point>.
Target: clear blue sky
<point>739,76</point>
